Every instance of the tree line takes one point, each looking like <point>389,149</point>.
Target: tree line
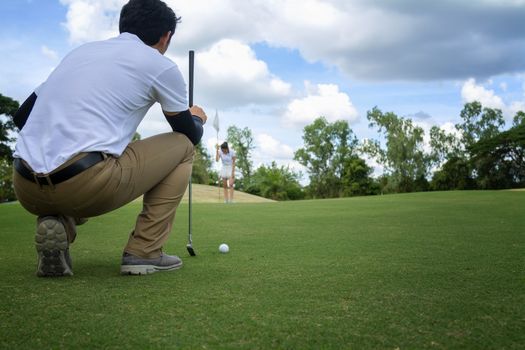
<point>479,154</point>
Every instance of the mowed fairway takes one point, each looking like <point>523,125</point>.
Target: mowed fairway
<point>413,271</point>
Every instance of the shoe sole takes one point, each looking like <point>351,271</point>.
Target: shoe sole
<point>146,269</point>
<point>52,249</point>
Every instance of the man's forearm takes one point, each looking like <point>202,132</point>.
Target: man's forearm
<point>187,124</point>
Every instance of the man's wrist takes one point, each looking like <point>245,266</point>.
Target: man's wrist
<point>197,118</point>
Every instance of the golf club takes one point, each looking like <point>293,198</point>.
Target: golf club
<point>189,246</point>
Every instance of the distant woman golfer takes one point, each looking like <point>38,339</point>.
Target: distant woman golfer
<point>228,158</point>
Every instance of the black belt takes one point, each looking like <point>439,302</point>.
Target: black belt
<point>61,175</point>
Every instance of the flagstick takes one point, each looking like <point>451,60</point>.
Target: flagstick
<point>219,177</point>
<point>216,127</point>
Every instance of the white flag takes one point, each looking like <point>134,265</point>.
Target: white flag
<point>216,121</point>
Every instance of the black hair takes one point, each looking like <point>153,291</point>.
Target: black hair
<point>225,146</point>
<point>148,19</point>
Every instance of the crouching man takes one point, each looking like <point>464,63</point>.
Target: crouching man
<point>74,159</point>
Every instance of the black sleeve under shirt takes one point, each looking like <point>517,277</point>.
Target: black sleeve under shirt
<point>187,124</point>
<point>23,112</point>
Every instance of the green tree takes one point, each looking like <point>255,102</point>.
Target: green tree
<point>404,159</point>
<point>519,118</point>
<point>330,155</point>
<point>444,146</point>
<point>454,174</point>
<point>480,129</point>
<point>483,156</point>
<point>213,179</point>
<point>201,166</point>
<point>7,191</point>
<point>500,160</point>
<point>136,137</point>
<point>479,123</point>
<point>277,183</point>
<point>448,156</point>
<point>356,178</point>
<point>241,140</point>
<point>8,108</point>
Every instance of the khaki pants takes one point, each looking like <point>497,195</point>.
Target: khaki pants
<point>158,167</point>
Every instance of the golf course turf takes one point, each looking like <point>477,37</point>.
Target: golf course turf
<point>413,271</point>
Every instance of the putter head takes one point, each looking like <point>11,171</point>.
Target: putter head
<point>190,250</point>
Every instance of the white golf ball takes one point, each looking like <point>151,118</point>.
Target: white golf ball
<point>223,248</point>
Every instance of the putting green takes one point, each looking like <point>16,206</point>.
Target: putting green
<point>440,270</point>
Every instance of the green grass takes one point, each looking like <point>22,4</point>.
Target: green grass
<point>413,271</point>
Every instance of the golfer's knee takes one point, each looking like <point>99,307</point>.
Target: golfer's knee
<point>190,149</point>
<point>182,139</point>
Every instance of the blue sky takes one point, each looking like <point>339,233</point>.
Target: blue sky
<point>275,65</point>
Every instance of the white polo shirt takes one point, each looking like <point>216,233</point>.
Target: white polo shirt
<point>96,98</point>
<point>227,158</point>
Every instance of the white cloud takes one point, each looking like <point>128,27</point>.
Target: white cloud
<point>450,128</point>
<point>49,53</point>
<point>516,106</point>
<point>315,27</point>
<point>154,123</point>
<point>322,100</point>
<point>205,22</point>
<point>272,149</point>
<point>227,71</point>
<point>229,74</point>
<point>471,92</point>
<point>423,41</point>
<point>269,149</point>
<point>88,20</point>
